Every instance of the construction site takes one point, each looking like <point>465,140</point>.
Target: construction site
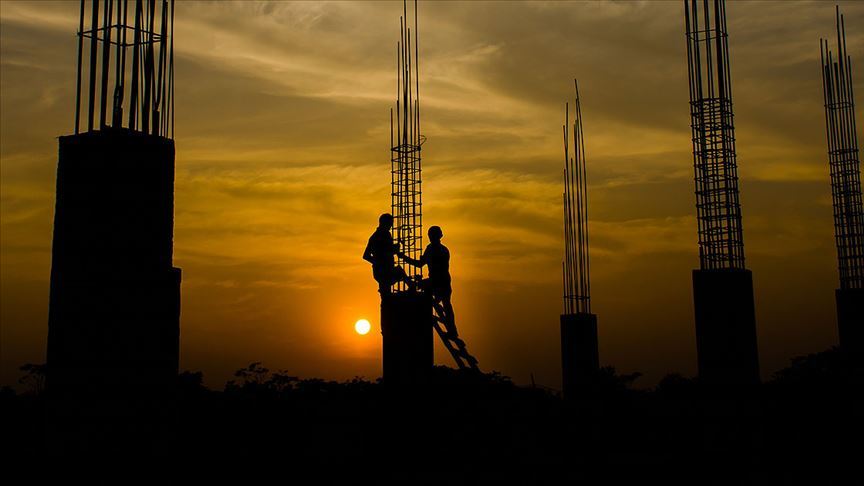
<point>113,382</point>
<point>410,311</point>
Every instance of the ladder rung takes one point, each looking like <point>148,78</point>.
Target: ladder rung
<point>459,352</point>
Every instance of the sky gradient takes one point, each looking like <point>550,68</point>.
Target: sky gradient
<point>282,167</point>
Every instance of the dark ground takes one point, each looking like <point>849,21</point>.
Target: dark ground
<point>805,426</point>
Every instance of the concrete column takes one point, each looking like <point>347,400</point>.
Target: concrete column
<point>115,297</point>
<point>114,307</point>
<point>850,322</point>
<point>580,356</point>
<point>725,327</point>
<point>406,326</point>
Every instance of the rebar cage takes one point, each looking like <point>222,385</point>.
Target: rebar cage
<point>718,209</point>
<point>405,162</point>
<point>577,284</point>
<point>131,62</point>
<point>843,159</point>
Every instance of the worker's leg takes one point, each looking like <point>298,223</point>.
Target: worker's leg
<point>442,294</point>
<point>386,277</point>
<point>398,275</point>
<point>451,319</point>
<point>448,309</point>
<point>383,282</point>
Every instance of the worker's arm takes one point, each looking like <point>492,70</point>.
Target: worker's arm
<point>411,261</point>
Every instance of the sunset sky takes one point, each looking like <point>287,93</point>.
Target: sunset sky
<point>282,168</point>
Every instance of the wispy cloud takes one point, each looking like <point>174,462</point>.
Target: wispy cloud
<point>283,167</point>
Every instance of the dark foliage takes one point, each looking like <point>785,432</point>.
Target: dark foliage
<point>462,427</point>
<point>827,370</point>
<point>33,378</point>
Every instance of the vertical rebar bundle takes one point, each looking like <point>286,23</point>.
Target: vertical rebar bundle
<point>577,285</point>
<point>405,143</point>
<point>141,80</point>
<point>843,159</point>
<point>718,210</point>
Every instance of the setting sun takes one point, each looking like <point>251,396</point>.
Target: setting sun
<point>362,326</point>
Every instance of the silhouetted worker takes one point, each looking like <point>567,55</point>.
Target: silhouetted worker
<point>437,258</point>
<point>380,252</point>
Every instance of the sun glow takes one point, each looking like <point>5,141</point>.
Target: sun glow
<point>362,327</point>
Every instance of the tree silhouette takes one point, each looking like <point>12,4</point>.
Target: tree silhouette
<point>34,377</point>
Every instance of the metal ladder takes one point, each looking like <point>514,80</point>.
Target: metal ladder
<point>446,328</point>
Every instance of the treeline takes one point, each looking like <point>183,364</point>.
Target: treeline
<point>802,426</point>
<point>827,370</point>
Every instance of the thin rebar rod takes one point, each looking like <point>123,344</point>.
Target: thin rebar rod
<point>394,161</point>
<point>116,24</point>
<point>136,54</point>
<point>406,66</point>
<point>399,89</point>
<point>78,84</point>
<point>171,71</point>
<point>117,97</point>
<point>122,78</point>
<point>94,22</point>
<point>106,56</point>
<point>106,64</point>
<point>581,152</point>
<point>149,65</point>
<point>568,223</point>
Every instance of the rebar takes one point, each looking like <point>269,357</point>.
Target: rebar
<point>405,164</point>
<point>577,282</point>
<point>151,71</point>
<point>718,209</point>
<point>843,158</point>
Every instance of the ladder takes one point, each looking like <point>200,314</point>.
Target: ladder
<point>446,328</point>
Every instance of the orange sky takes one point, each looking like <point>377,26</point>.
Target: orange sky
<point>282,168</point>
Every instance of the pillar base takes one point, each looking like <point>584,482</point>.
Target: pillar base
<point>725,327</point>
<point>850,322</point>
<point>406,326</point>
<point>114,305</point>
<point>580,357</point>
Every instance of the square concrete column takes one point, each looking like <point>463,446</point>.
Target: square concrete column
<point>114,307</point>
<point>725,327</point>
<point>406,326</point>
<point>580,356</point>
<point>850,322</point>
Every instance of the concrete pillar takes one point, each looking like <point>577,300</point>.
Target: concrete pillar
<point>725,327</point>
<point>580,356</point>
<point>406,326</point>
<point>114,308</point>
<point>850,322</point>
